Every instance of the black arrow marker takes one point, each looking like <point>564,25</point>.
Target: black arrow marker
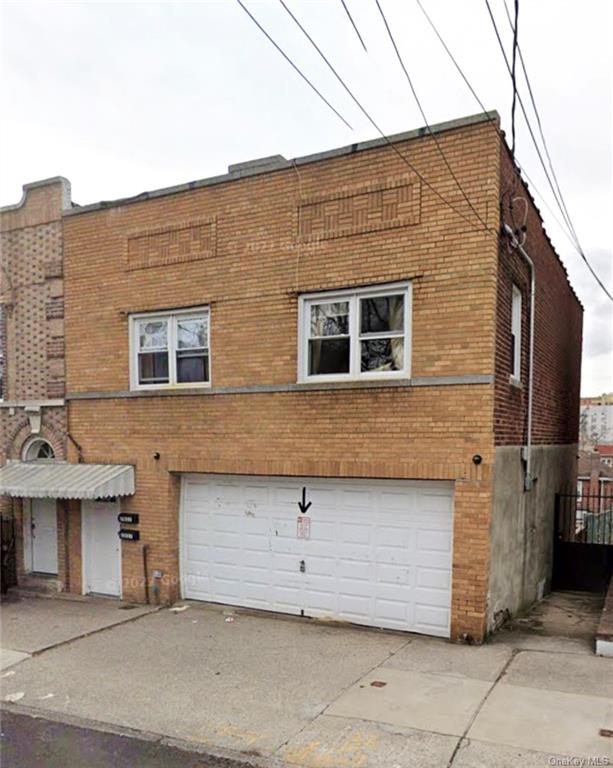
<point>302,505</point>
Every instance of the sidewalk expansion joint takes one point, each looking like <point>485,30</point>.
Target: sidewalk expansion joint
<point>70,640</point>
<point>464,737</point>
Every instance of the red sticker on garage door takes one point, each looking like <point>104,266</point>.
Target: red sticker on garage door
<point>304,527</point>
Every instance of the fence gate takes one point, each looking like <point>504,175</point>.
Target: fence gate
<point>583,541</point>
<point>8,571</point>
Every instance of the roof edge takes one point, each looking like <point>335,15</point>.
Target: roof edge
<point>65,183</point>
<point>278,163</point>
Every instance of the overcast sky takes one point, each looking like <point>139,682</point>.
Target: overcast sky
<point>121,97</point>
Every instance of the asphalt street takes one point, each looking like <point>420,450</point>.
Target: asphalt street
<point>32,742</point>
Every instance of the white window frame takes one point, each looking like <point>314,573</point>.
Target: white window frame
<point>352,296</point>
<point>516,331</point>
<point>171,317</point>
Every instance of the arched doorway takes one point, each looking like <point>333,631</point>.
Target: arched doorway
<point>41,523</point>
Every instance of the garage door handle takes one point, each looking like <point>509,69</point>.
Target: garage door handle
<point>302,566</point>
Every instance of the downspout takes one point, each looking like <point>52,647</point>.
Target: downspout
<point>528,477</point>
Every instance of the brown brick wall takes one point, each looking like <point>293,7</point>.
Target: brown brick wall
<point>258,264</point>
<point>256,244</point>
<point>558,333</point>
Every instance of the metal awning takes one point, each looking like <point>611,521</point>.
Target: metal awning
<point>61,480</point>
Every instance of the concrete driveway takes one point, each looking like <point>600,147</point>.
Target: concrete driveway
<point>300,693</point>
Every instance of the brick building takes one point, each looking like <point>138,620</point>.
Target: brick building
<point>32,406</point>
<point>306,386</point>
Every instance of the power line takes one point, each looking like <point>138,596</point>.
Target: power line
<point>291,63</point>
<point>423,114</point>
<point>493,122</point>
<point>539,124</point>
<point>563,228</point>
<point>561,206</point>
<point>513,78</point>
<point>525,114</point>
<point>357,31</point>
<point>376,126</point>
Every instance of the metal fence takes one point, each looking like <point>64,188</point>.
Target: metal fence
<point>585,518</point>
<point>8,570</point>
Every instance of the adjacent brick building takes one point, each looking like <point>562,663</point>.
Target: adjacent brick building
<point>32,405</point>
<point>329,332</point>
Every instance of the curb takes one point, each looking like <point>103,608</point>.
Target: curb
<point>218,753</point>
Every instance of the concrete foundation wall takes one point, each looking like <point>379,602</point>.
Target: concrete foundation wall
<point>521,535</point>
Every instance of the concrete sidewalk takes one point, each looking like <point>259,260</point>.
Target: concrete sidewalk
<point>301,693</point>
<point>33,624</point>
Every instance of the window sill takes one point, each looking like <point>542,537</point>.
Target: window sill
<point>189,387</point>
<point>254,389</point>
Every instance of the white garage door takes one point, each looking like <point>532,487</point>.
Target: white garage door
<point>369,552</point>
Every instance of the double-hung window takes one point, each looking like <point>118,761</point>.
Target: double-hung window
<point>516,334</point>
<point>357,334</point>
<point>170,349</point>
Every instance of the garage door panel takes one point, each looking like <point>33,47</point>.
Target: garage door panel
<point>437,578</point>
<point>224,523</point>
<point>287,595</point>
<point>433,540</point>
<point>256,542</point>
<point>356,533</point>
<point>199,536</point>
<point>197,552</point>
<point>431,619</point>
<point>223,539</point>
<point>437,598</point>
<point>285,563</point>
<point>353,499</point>
<point>199,585</point>
<point>321,603</point>
<point>392,610</point>
<point>355,569</point>
<point>323,531</point>
<point>252,558</point>
<point>396,536</point>
<point>321,566</point>
<point>391,573</point>
<point>379,552</point>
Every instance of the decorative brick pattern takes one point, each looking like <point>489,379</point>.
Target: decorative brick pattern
<point>171,245</point>
<point>54,308</point>
<point>55,348</point>
<point>54,269</point>
<point>31,252</point>
<point>368,208</point>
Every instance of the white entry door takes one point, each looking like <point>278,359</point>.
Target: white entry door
<point>101,548</point>
<point>44,535</point>
<point>374,552</point>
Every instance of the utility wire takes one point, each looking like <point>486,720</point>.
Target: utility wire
<point>521,104</point>
<point>423,115</point>
<point>513,78</point>
<point>560,205</point>
<point>291,63</point>
<point>539,124</point>
<point>377,128</point>
<point>563,227</point>
<point>492,121</point>
<point>357,31</point>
